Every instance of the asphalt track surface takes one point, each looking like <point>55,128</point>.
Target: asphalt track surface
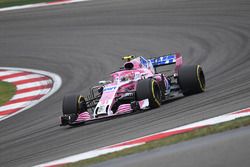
<point>83,42</point>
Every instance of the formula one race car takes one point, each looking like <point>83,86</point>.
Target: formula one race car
<point>136,86</point>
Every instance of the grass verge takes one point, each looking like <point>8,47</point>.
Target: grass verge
<point>9,3</point>
<point>237,123</point>
<point>7,90</point>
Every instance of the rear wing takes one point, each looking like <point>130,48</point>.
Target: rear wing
<point>172,58</point>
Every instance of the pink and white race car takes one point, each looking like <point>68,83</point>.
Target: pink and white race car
<point>139,85</point>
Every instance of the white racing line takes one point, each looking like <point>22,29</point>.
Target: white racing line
<point>32,87</point>
<point>56,2</point>
<point>142,140</point>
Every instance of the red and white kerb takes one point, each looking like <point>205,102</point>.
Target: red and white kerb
<point>31,87</point>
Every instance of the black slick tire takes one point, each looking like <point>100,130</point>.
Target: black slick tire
<point>149,89</point>
<point>191,79</point>
<point>73,105</point>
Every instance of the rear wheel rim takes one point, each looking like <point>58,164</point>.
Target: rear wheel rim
<point>156,93</point>
<point>201,78</point>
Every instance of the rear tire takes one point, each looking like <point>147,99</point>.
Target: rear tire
<point>191,79</point>
<point>149,89</point>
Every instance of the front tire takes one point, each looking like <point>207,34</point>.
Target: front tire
<point>149,89</point>
<point>72,106</point>
<point>191,79</point>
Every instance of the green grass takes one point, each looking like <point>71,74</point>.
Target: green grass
<point>237,123</point>
<point>8,3</point>
<point>7,90</point>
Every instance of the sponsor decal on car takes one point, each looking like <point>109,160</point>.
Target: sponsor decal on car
<point>163,60</point>
<point>109,89</point>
